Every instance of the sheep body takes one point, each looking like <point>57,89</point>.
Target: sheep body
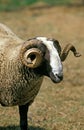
<point>18,85</point>
<point>23,65</point>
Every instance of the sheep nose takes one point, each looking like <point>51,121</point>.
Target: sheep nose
<point>60,76</point>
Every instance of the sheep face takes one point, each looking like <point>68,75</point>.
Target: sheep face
<point>48,62</point>
<point>52,60</point>
<point>45,57</point>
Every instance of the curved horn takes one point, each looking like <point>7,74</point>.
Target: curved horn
<point>31,56</point>
<point>66,50</point>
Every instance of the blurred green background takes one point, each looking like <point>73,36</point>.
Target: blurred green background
<point>17,4</point>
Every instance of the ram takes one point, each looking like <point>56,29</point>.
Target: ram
<point>23,65</point>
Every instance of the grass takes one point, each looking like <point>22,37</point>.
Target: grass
<point>57,106</point>
<point>9,5</point>
<point>15,4</point>
<point>58,2</point>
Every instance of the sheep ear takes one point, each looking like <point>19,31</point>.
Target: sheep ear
<point>66,50</point>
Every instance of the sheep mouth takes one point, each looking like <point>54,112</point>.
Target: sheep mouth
<point>56,78</point>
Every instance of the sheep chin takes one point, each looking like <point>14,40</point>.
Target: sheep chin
<point>55,78</point>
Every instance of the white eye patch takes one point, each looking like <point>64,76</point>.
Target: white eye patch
<point>55,61</point>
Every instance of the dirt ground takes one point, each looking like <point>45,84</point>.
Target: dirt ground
<point>57,106</point>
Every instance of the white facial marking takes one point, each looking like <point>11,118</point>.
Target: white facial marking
<point>55,61</point>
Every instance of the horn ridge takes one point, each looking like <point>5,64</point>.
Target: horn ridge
<point>66,50</point>
<point>30,55</point>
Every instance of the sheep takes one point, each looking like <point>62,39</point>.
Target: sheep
<point>23,64</point>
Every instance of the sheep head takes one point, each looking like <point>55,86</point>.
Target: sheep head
<point>30,55</point>
<point>66,50</point>
<point>45,54</point>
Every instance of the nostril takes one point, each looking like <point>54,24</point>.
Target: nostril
<point>59,76</point>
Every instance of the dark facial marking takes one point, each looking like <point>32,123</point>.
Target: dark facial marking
<point>56,44</point>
